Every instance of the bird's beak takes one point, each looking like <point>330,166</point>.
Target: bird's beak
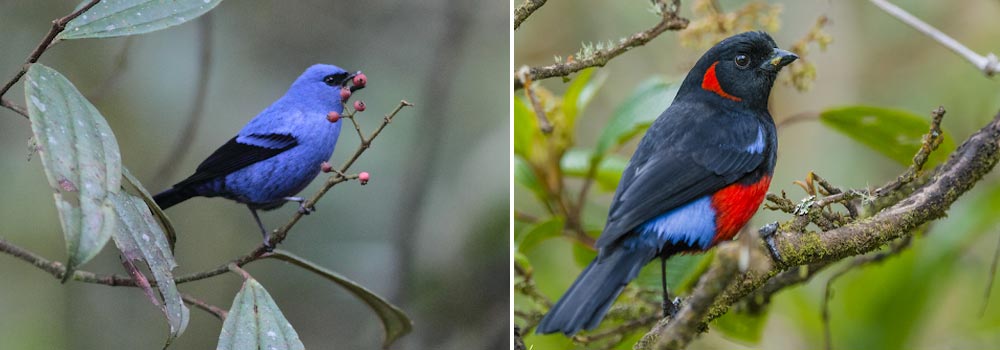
<point>779,58</point>
<point>350,79</point>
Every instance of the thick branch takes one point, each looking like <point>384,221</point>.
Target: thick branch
<point>670,20</point>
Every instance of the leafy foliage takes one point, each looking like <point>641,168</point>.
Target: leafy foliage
<point>255,322</point>
<point>111,18</point>
<point>895,133</point>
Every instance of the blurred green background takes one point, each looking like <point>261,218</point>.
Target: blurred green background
<point>429,232</point>
<point>930,296</point>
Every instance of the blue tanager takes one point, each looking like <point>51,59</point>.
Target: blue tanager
<point>279,152</point>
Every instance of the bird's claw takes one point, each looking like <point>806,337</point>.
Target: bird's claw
<point>304,210</point>
<point>767,233</point>
<point>671,308</point>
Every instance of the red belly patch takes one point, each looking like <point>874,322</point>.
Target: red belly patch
<point>711,83</point>
<point>734,206</point>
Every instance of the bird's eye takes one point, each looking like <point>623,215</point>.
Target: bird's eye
<point>335,79</point>
<point>742,60</point>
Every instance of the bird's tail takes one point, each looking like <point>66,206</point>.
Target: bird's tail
<point>591,295</point>
<point>168,198</point>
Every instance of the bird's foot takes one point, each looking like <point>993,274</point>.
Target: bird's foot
<point>267,242</point>
<point>670,308</point>
<point>767,233</point>
<point>303,209</point>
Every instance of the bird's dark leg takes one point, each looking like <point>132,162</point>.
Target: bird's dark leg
<point>302,205</point>
<point>669,306</point>
<point>263,231</point>
<point>767,233</point>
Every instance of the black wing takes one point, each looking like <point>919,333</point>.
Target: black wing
<point>685,155</point>
<point>235,155</point>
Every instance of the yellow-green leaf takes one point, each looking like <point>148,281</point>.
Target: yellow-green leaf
<point>635,115</point>
<point>576,163</point>
<point>538,233</point>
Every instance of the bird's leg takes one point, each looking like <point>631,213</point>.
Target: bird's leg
<point>669,307</point>
<point>302,205</point>
<point>263,231</point>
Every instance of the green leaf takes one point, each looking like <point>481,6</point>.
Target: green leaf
<point>140,238</point>
<point>394,321</point>
<point>582,254</point>
<point>576,163</point>
<point>111,18</point>
<point>525,128</point>
<point>537,233</point>
<point>522,260</point>
<point>255,322</point>
<point>742,326</point>
<point>635,115</point>
<point>132,185</point>
<point>895,133</point>
<point>525,177</point>
<point>81,160</point>
<point>580,92</point>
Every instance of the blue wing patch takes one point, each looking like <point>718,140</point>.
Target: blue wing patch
<point>757,147</point>
<point>692,224</point>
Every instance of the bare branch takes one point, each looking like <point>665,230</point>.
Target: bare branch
<point>212,309</point>
<point>988,64</point>
<point>669,20</point>
<point>57,27</point>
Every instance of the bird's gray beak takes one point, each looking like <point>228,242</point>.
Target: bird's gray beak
<point>779,58</point>
<point>350,79</point>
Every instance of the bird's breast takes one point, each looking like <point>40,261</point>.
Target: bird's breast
<point>734,206</point>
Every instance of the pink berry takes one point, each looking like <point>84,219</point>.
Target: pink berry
<point>326,167</point>
<point>345,94</point>
<point>359,105</point>
<point>360,80</point>
<point>363,177</point>
<point>333,116</point>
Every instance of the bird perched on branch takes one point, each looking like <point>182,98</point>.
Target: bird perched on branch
<point>279,152</point>
<point>698,175</point>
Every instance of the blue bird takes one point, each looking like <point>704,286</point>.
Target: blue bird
<point>278,153</point>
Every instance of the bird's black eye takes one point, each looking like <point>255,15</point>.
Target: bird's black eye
<point>335,79</point>
<point>742,60</point>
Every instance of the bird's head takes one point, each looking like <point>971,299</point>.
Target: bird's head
<point>324,82</point>
<point>739,69</point>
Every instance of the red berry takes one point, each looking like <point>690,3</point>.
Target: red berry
<point>363,177</point>
<point>360,80</point>
<point>333,116</point>
<point>359,105</point>
<point>345,94</point>
<point>326,167</point>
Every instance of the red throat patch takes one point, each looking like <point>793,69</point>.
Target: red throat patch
<point>711,83</point>
<point>735,205</point>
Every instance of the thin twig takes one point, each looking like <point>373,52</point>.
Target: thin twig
<point>212,309</point>
<point>988,64</point>
<point>169,167</point>
<point>669,20</point>
<point>525,78</point>
<point>522,12</point>
<point>58,26</point>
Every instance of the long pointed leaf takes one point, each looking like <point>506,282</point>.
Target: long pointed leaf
<point>111,18</point>
<point>81,160</point>
<point>140,238</point>
<point>394,321</point>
